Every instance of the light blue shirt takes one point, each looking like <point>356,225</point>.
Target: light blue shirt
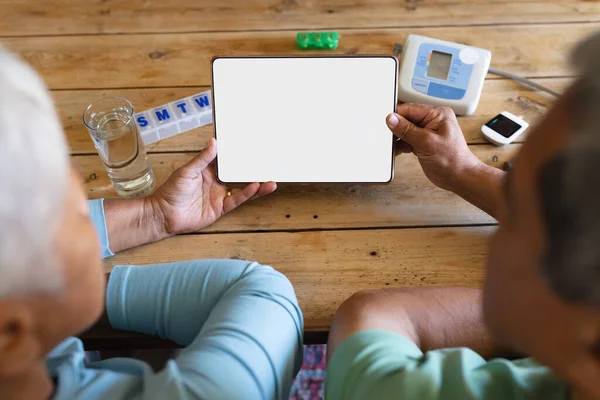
<point>239,322</point>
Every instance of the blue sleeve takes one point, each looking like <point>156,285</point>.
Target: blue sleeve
<point>239,320</point>
<point>99,221</point>
<point>378,364</point>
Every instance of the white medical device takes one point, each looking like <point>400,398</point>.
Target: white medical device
<point>442,73</point>
<point>504,128</point>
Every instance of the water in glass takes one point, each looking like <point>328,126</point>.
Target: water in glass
<point>117,139</point>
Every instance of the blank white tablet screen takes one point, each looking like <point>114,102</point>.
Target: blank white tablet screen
<point>314,119</point>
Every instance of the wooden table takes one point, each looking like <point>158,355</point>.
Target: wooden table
<point>329,241</point>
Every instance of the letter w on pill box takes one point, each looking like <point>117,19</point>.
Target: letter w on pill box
<point>174,118</point>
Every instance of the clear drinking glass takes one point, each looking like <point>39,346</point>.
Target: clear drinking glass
<point>115,134</point>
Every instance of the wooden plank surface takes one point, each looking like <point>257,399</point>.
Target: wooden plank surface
<point>410,200</point>
<point>34,17</point>
<point>184,59</point>
<point>327,267</point>
<point>498,95</point>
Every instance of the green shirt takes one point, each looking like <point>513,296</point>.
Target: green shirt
<point>384,365</point>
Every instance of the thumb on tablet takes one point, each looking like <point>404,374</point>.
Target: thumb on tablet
<point>405,130</point>
<point>204,158</point>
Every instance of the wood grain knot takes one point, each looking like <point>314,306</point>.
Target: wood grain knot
<point>411,5</point>
<point>155,55</point>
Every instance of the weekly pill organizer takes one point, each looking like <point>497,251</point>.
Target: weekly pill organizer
<point>174,118</point>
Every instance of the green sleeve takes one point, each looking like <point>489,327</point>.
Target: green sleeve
<point>384,365</point>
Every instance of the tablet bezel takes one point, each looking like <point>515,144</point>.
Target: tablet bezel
<point>393,139</point>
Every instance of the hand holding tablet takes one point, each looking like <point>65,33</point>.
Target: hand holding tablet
<point>304,119</point>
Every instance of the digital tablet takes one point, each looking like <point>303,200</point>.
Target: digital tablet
<point>309,119</point>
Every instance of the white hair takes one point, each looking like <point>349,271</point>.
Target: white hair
<point>33,180</point>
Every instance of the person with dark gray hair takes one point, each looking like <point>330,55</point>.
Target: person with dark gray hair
<point>541,297</point>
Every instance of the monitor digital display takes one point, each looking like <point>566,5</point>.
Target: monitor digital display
<point>439,65</point>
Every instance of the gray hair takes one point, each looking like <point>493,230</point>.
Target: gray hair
<point>569,185</point>
<point>33,179</point>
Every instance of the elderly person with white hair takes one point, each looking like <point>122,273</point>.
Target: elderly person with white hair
<point>240,321</point>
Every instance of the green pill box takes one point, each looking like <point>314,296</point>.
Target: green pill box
<point>317,40</point>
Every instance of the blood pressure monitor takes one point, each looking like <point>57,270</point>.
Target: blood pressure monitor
<point>442,73</point>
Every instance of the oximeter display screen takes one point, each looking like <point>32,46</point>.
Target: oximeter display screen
<point>439,65</point>
<point>504,126</point>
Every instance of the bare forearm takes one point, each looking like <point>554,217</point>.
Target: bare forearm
<point>446,317</point>
<point>432,318</point>
<point>482,187</point>
<point>131,223</point>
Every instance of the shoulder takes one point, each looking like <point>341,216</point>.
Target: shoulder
<point>75,378</point>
